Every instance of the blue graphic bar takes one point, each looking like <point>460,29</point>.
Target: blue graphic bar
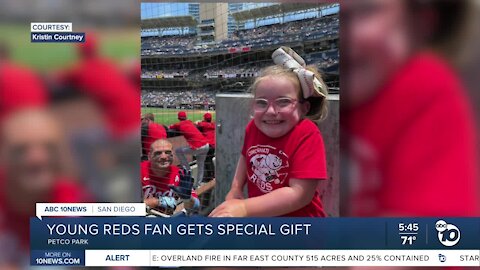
<point>267,233</point>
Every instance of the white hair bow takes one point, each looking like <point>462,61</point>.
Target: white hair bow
<point>288,58</point>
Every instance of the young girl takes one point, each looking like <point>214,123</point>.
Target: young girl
<point>283,156</point>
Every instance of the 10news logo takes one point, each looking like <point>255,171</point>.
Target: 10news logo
<point>448,234</point>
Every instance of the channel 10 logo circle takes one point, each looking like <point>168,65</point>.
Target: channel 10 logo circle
<point>448,234</point>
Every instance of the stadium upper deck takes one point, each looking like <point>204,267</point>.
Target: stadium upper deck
<point>326,27</point>
<point>176,67</point>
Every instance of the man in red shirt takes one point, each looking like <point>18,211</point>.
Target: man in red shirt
<point>151,132</point>
<point>207,127</point>
<point>33,168</point>
<point>162,182</point>
<point>197,144</point>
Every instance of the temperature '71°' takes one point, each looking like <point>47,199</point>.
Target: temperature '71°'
<point>408,239</point>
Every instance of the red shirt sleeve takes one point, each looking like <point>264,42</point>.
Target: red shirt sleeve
<point>308,160</point>
<point>145,178</point>
<point>175,126</point>
<point>174,176</point>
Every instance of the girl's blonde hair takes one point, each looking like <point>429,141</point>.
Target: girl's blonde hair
<point>318,105</point>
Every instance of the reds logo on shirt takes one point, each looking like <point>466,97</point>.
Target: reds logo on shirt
<point>151,191</point>
<point>268,167</point>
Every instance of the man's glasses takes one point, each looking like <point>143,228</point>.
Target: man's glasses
<point>283,104</point>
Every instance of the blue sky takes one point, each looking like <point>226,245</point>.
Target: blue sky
<point>155,10</point>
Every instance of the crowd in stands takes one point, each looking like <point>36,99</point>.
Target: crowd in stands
<point>221,72</point>
<point>331,65</point>
<point>289,28</point>
<point>326,61</point>
<point>308,29</point>
<point>323,59</point>
<point>285,33</point>
<point>177,98</point>
<point>149,74</point>
<point>232,72</point>
<point>151,44</point>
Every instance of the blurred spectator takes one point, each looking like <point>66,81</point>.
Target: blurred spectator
<point>410,133</point>
<point>103,114</point>
<point>207,127</point>
<point>19,86</point>
<point>151,132</point>
<point>26,91</point>
<point>197,145</point>
<point>114,93</point>
<point>34,167</point>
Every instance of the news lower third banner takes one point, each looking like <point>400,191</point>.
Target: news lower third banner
<point>197,241</point>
